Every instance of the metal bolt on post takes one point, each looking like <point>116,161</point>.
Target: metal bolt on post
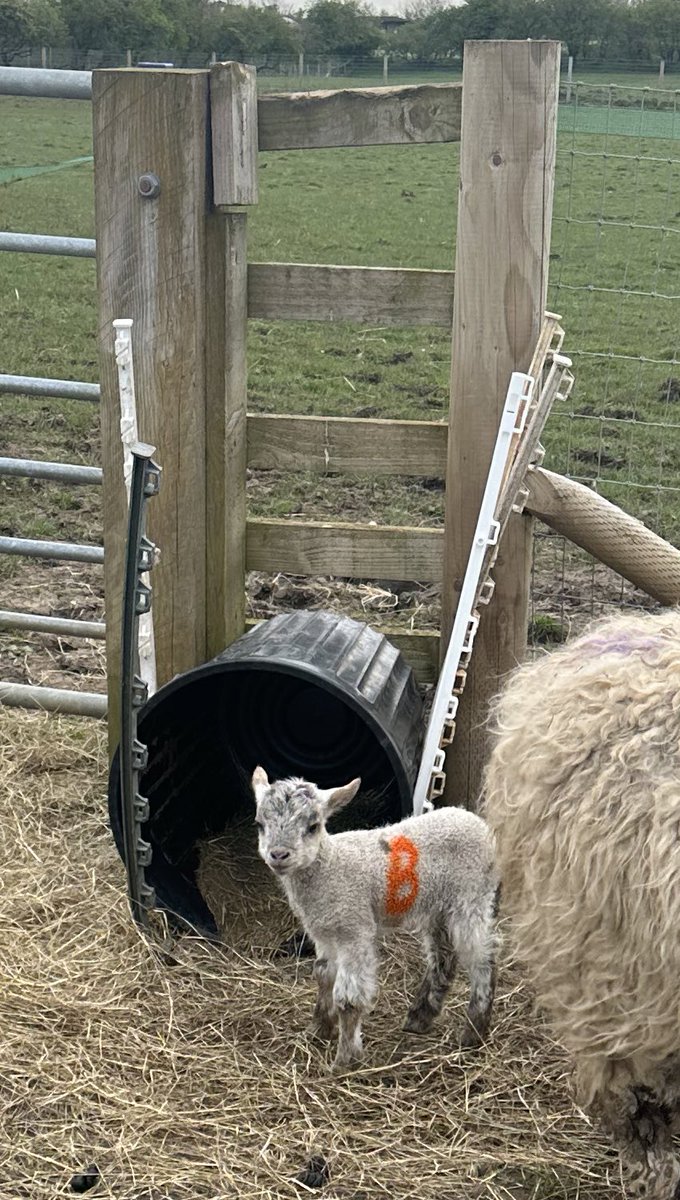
<point>139,559</point>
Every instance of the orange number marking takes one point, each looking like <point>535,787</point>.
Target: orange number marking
<point>402,876</point>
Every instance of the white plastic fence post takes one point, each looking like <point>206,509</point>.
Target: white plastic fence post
<point>445,703</point>
<point>570,76</point>
<point>128,434</point>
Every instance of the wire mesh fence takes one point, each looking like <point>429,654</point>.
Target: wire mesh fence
<point>615,278</point>
<point>300,69</point>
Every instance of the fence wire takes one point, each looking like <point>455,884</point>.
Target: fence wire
<point>615,278</point>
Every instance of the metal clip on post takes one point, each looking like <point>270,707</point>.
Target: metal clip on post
<point>139,558</point>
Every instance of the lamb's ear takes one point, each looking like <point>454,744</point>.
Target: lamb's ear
<point>337,798</point>
<point>259,783</point>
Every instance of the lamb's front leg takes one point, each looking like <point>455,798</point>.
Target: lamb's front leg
<point>325,1012</point>
<point>354,994</point>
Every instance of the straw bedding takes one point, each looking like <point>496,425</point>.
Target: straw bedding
<point>191,1075</point>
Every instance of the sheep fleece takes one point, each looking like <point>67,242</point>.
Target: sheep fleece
<point>583,792</point>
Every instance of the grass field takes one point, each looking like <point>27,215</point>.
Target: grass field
<point>614,277</point>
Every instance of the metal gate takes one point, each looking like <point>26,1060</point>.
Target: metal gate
<point>20,81</point>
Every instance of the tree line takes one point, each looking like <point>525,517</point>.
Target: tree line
<point>593,30</point>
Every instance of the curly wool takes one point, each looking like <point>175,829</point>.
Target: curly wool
<point>583,792</point>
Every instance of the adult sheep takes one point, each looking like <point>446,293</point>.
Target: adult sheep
<point>583,792</point>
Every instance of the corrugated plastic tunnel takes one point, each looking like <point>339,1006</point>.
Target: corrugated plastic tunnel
<point>307,693</point>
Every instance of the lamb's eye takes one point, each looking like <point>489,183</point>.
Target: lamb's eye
<point>260,826</point>
<point>313,827</point>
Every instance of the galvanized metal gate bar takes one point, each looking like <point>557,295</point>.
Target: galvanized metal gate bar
<point>29,468</point>
<point>61,626</point>
<point>47,699</point>
<point>41,81</point>
<point>139,559</point>
<point>42,243</point>
<point>59,389</point>
<point>62,551</point>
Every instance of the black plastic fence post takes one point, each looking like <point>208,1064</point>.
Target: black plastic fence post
<point>139,559</point>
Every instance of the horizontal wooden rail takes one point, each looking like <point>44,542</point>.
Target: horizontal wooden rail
<point>346,550</point>
<point>420,649</point>
<point>418,449</point>
<point>360,117</point>
<point>369,295</point>
<point>347,444</point>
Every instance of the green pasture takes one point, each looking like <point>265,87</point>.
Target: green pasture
<point>615,278</point>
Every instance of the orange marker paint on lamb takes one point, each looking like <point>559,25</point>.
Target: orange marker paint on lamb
<point>402,876</point>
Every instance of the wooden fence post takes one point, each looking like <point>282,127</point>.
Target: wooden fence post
<point>154,236</point>
<point>510,96</point>
<point>233,108</point>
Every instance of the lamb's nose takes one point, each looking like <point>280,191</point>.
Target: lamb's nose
<point>279,856</point>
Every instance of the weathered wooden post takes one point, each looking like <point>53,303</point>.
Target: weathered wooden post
<point>174,264</point>
<point>509,121</point>
<point>233,103</point>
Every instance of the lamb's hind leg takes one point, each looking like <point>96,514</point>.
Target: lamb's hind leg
<point>476,944</point>
<point>428,1001</point>
<point>639,1126</point>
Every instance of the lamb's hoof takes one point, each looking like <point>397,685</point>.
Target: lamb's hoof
<point>346,1063</point>
<point>323,1031</point>
<point>470,1039</point>
<point>418,1022</point>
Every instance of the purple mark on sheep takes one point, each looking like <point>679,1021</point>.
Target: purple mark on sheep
<point>620,645</point>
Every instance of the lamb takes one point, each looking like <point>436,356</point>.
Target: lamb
<point>434,874</point>
<point>583,792</point>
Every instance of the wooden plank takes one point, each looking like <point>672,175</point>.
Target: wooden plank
<point>347,444</point>
<point>151,264</point>
<point>360,117</point>
<point>233,124</point>
<point>502,247</point>
<point>607,532</point>
<point>370,295</point>
<point>420,648</point>
<point>344,550</point>
<point>226,371</point>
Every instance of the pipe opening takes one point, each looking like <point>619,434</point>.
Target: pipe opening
<point>309,694</point>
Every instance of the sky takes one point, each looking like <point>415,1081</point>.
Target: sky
<point>398,6</point>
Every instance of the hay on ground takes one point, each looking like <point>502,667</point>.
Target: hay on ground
<point>199,1081</point>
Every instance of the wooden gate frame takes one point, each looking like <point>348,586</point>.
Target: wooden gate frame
<point>175,170</point>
